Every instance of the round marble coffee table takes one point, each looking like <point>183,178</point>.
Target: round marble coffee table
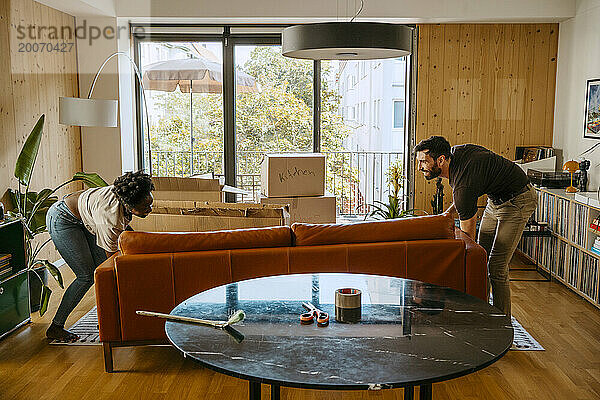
<point>411,334</point>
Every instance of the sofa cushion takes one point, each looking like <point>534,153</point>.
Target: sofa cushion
<point>152,242</point>
<point>415,228</point>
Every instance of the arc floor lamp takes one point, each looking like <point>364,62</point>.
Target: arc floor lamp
<point>99,112</point>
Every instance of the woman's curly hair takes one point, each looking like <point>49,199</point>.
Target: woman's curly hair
<point>132,188</point>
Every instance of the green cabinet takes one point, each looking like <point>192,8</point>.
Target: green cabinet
<point>14,286</point>
<point>14,302</point>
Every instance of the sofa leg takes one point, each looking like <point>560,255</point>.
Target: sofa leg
<point>108,358</point>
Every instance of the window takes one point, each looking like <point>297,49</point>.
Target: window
<point>276,117</point>
<point>363,112</point>
<point>186,117</point>
<point>399,72</point>
<point>371,139</point>
<point>375,118</point>
<point>196,128</point>
<point>398,114</point>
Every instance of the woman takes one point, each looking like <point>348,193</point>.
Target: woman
<point>85,228</point>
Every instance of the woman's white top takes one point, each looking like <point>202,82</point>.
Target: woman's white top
<point>103,216</point>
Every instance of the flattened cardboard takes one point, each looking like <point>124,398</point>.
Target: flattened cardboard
<point>186,216</point>
<point>192,189</point>
<point>313,210</point>
<point>286,175</point>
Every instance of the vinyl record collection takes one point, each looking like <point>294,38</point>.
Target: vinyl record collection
<point>589,275</point>
<point>562,217</point>
<point>572,254</point>
<point>5,266</point>
<point>580,218</point>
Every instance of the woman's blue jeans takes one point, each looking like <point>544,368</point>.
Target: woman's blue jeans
<point>77,246</point>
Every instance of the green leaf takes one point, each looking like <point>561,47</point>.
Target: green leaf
<point>54,271</point>
<point>44,299</point>
<point>38,222</point>
<point>29,152</point>
<point>14,199</point>
<point>42,196</point>
<point>91,180</point>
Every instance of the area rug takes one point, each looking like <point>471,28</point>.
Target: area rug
<point>522,340</point>
<point>87,329</point>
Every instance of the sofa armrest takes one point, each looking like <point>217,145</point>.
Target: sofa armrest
<point>475,266</point>
<point>107,300</point>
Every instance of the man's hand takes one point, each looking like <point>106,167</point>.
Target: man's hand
<point>451,209</point>
<point>469,226</point>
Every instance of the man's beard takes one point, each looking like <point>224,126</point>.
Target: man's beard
<point>433,173</point>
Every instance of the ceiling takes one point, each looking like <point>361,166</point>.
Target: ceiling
<point>293,11</point>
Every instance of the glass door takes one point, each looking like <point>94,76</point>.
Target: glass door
<point>184,91</point>
<point>273,108</point>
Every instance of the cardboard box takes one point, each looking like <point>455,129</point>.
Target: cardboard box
<point>191,189</point>
<point>313,210</point>
<point>287,175</point>
<point>186,216</point>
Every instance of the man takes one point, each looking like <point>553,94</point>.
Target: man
<point>472,172</point>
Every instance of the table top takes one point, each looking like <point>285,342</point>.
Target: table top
<point>411,333</point>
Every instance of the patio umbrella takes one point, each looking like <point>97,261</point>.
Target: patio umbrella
<point>202,75</point>
<point>193,75</point>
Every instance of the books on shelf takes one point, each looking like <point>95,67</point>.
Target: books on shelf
<point>595,224</point>
<point>596,246</point>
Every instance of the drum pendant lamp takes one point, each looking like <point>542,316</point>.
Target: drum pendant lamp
<point>347,40</point>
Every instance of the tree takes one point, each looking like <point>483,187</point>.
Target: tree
<point>278,118</point>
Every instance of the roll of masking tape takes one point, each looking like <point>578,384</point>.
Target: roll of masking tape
<point>347,305</point>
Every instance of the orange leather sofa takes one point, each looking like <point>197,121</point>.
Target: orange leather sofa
<point>157,271</point>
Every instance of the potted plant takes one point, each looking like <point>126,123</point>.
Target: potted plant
<point>437,202</point>
<point>395,207</point>
<point>31,208</point>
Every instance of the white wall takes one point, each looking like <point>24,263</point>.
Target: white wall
<point>578,61</point>
<point>100,147</point>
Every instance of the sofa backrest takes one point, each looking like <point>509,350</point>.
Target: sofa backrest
<point>416,228</point>
<point>158,282</point>
<point>152,242</point>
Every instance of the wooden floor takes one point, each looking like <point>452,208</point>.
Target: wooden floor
<point>566,325</point>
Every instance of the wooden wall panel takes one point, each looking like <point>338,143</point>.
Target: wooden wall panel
<point>488,84</point>
<point>30,85</point>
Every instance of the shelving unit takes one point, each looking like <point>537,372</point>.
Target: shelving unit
<point>14,286</point>
<point>566,254</point>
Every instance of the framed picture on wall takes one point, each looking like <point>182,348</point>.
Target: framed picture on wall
<point>592,110</point>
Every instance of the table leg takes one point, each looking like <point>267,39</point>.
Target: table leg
<point>275,392</point>
<point>425,392</point>
<point>409,393</point>
<point>254,390</point>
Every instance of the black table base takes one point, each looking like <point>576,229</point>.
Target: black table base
<point>425,392</point>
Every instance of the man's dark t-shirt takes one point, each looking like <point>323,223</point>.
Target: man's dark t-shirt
<point>475,171</point>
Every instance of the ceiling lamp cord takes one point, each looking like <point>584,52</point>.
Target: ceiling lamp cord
<point>362,4</point>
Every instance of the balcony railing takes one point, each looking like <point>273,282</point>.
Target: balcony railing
<point>356,178</point>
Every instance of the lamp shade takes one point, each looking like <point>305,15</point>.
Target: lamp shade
<point>346,41</point>
<point>571,166</point>
<point>87,112</point>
